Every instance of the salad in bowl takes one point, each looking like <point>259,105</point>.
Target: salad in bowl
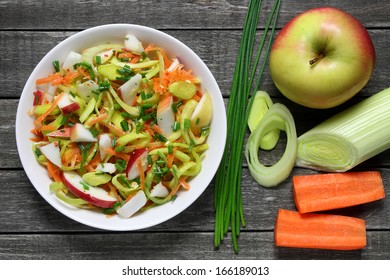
<point>120,121</point>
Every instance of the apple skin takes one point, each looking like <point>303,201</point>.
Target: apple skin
<point>71,181</point>
<point>343,53</point>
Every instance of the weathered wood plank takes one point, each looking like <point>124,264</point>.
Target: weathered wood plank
<point>22,50</point>
<point>24,210</point>
<point>177,245</point>
<point>216,14</point>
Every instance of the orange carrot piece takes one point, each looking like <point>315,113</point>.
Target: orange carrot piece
<point>319,231</point>
<point>97,119</point>
<point>184,183</point>
<point>51,108</point>
<point>141,174</point>
<point>53,172</point>
<point>320,192</point>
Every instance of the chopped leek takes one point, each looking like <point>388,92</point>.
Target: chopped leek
<point>277,117</point>
<point>348,138</point>
<point>261,104</point>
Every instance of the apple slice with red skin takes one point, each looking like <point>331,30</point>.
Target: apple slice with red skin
<point>132,171</point>
<point>67,104</point>
<point>78,133</point>
<point>94,195</point>
<point>38,97</point>
<point>60,133</point>
<point>52,152</point>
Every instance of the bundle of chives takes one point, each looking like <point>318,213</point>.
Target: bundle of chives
<point>227,189</point>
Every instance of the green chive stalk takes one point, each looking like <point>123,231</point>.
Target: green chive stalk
<point>227,192</point>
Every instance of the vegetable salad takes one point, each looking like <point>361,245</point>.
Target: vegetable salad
<point>120,127</point>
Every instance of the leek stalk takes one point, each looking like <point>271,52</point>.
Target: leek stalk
<point>348,138</point>
<point>277,117</point>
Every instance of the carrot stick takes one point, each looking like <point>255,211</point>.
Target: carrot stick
<point>51,108</point>
<point>97,119</point>
<point>53,172</point>
<point>141,174</point>
<point>184,183</point>
<point>319,231</point>
<point>336,190</point>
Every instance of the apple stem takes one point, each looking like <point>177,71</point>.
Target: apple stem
<point>317,58</point>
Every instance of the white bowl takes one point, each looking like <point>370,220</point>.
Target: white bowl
<point>114,33</point>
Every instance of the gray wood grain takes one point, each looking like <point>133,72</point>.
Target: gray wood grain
<point>171,14</point>
<point>176,245</point>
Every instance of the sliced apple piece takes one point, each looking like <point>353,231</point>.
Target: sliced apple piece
<point>104,144</point>
<point>105,56</point>
<point>94,195</point>
<point>133,205</point>
<point>201,116</point>
<point>68,104</point>
<point>60,133</point>
<point>85,89</point>
<point>133,44</point>
<point>159,190</point>
<point>166,116</point>
<point>129,89</point>
<point>132,165</point>
<point>71,59</point>
<point>52,153</point>
<point>106,167</point>
<point>78,133</point>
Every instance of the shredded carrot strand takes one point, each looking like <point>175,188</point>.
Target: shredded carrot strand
<point>184,183</point>
<point>97,119</point>
<point>51,108</point>
<point>53,172</point>
<point>141,174</point>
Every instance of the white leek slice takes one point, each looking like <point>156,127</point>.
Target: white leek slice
<point>349,137</point>
<point>261,104</point>
<point>277,117</point>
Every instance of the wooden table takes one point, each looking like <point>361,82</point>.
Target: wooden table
<point>31,229</point>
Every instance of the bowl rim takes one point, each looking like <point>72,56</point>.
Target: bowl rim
<point>69,211</point>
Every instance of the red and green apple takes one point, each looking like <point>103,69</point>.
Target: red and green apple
<point>322,58</point>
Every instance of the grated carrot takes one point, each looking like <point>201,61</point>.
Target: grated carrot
<point>96,119</point>
<point>53,172</point>
<point>51,108</point>
<point>141,174</point>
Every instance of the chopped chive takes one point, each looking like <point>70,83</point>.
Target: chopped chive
<point>161,137</point>
<point>150,161</point>
<point>87,67</point>
<point>94,131</point>
<point>126,115</point>
<point>176,105</point>
<point>176,126</point>
<point>124,125</point>
<point>197,121</point>
<point>120,165</point>
<point>187,124</point>
<point>64,120</point>
<point>170,149</point>
<point>143,55</point>
<point>105,85</point>
<point>98,59</point>
<point>120,149</point>
<point>85,185</point>
<point>38,152</point>
<point>117,106</point>
<point>56,65</point>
